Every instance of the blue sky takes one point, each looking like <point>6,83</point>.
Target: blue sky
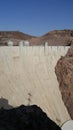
<point>36,17</point>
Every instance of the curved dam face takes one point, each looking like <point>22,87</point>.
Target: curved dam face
<point>27,76</point>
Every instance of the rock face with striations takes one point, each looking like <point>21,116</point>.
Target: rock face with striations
<point>26,118</point>
<point>64,72</point>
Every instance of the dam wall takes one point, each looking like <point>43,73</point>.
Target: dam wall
<point>27,76</point>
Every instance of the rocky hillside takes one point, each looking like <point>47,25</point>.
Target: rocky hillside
<point>56,37</point>
<point>64,72</point>
<point>14,36</point>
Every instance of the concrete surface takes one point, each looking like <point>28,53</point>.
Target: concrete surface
<point>27,76</point>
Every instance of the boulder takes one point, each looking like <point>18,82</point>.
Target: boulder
<point>64,72</point>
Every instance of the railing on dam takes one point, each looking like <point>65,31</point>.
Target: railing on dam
<point>37,50</point>
<point>44,50</point>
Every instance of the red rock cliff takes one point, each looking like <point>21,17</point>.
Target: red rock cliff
<point>64,72</point>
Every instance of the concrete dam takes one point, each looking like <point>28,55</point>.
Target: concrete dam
<point>27,76</point>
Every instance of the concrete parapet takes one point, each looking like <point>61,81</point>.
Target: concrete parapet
<point>41,50</point>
